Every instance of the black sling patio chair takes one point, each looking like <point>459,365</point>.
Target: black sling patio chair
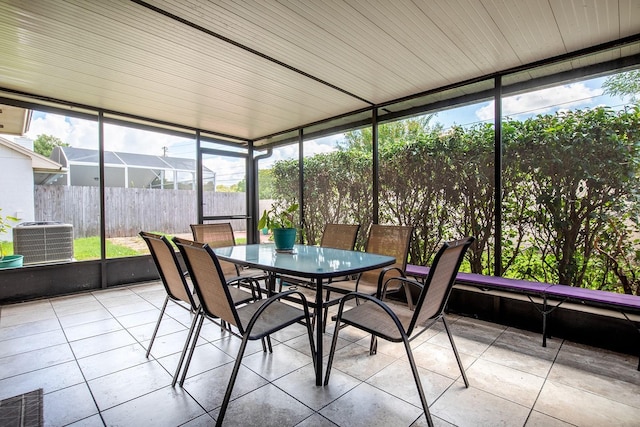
<point>221,234</point>
<point>397,323</point>
<point>178,287</point>
<point>254,321</point>
<point>391,240</point>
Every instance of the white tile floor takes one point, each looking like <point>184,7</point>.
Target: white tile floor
<point>88,354</point>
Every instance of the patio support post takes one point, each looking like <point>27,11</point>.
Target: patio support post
<point>376,163</point>
<point>498,175</point>
<point>199,178</point>
<point>103,222</point>
<point>251,195</point>
<point>301,181</point>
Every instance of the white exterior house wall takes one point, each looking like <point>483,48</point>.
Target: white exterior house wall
<point>16,195</point>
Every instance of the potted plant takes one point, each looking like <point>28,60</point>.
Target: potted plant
<point>8,261</point>
<point>280,221</point>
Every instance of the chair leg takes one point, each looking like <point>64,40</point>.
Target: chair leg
<point>416,377</point>
<point>455,351</point>
<point>259,288</point>
<point>310,328</point>
<point>326,312</point>
<point>194,341</point>
<point>373,347</point>
<point>324,320</point>
<point>232,380</point>
<point>186,346</point>
<point>155,331</point>
<point>334,341</point>
<point>312,346</point>
<point>407,294</point>
<point>313,320</point>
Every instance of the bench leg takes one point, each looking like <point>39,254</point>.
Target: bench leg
<point>544,328</point>
<point>545,312</point>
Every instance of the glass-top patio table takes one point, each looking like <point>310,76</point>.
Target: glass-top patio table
<point>313,262</point>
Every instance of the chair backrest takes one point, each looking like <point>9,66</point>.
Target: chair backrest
<point>217,236</point>
<point>169,268</point>
<point>437,287</point>
<point>340,236</point>
<point>390,240</point>
<point>209,281</point>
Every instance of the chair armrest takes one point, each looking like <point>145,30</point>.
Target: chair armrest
<point>274,298</point>
<point>374,300</point>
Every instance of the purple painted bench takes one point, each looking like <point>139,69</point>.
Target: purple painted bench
<point>622,302</point>
<point>559,294</point>
<point>487,282</point>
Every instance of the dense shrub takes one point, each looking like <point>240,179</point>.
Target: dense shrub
<point>569,193</point>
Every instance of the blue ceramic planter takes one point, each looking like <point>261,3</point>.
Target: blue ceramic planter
<point>284,238</point>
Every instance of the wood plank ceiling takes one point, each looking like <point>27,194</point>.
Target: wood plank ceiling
<point>254,68</point>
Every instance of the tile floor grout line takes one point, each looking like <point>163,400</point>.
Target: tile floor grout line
<point>476,358</point>
<point>84,378</point>
<point>154,360</point>
<point>544,382</point>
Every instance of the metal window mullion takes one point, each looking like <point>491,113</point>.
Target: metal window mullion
<point>199,178</point>
<point>103,222</point>
<point>376,165</point>
<point>498,175</point>
<point>301,181</point>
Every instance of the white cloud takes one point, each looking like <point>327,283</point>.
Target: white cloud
<point>129,140</point>
<point>82,133</point>
<point>322,145</point>
<point>286,152</point>
<point>326,144</point>
<point>543,101</point>
<point>75,132</point>
<point>228,170</point>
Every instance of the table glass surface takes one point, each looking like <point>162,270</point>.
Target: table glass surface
<point>305,261</point>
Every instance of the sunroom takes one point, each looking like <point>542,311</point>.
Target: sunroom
<point>514,122</point>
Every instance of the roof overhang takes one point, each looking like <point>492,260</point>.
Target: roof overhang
<point>39,163</point>
<point>14,120</point>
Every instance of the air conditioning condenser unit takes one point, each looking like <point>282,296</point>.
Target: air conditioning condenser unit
<point>44,241</point>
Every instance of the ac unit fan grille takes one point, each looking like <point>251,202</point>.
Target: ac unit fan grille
<point>43,243</point>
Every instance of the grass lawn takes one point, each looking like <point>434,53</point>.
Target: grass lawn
<point>87,248</point>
